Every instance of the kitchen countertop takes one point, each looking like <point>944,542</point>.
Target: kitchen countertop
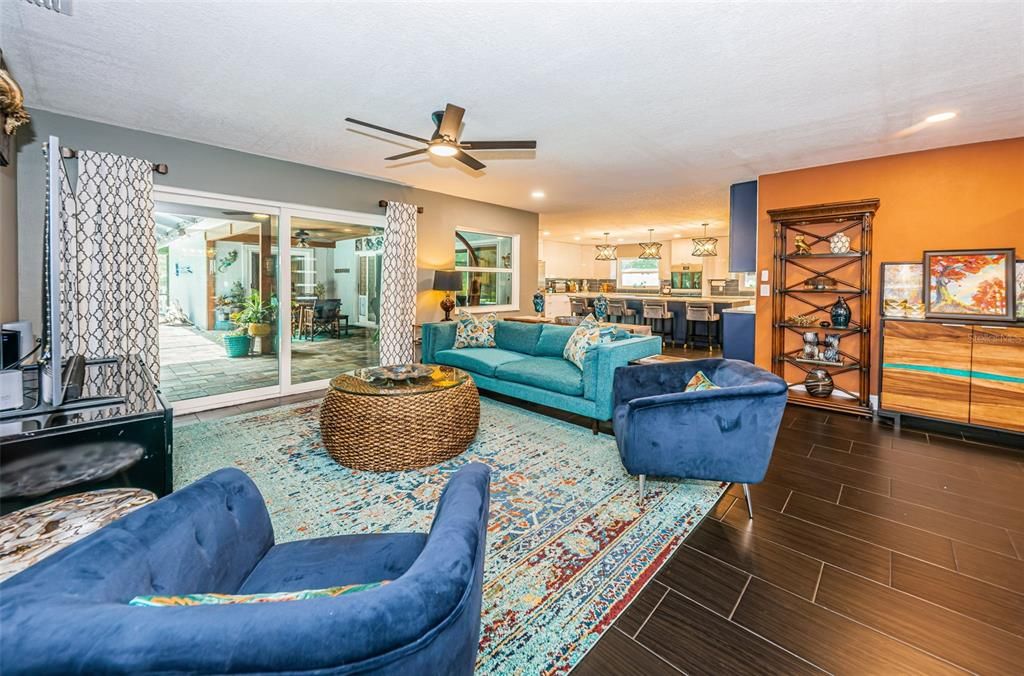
<point>743,309</point>
<point>657,296</point>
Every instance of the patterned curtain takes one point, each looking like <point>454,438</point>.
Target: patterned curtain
<point>398,285</point>
<point>109,303</point>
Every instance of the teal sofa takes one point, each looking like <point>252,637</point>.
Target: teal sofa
<point>527,364</point>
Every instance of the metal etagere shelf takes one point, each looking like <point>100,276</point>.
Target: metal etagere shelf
<point>794,268</point>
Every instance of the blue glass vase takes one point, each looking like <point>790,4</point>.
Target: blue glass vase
<point>601,308</point>
<point>840,314</point>
<point>538,303</point>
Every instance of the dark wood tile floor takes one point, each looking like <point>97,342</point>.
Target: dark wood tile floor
<point>870,551</point>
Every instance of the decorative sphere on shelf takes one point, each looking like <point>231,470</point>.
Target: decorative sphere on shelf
<point>818,383</point>
<point>839,243</point>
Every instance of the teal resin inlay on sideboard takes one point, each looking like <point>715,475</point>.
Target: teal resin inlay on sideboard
<point>961,373</point>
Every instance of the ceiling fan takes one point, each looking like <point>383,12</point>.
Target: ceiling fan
<point>303,237</point>
<point>445,140</point>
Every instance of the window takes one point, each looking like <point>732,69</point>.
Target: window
<point>639,273</point>
<point>489,264</point>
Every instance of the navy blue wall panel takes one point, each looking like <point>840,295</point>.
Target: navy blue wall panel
<point>743,227</point>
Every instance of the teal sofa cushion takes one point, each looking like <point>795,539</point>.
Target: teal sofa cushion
<point>517,336</point>
<point>482,360</point>
<point>549,373</point>
<point>553,338</point>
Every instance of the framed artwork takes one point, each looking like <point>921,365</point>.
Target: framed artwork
<point>1020,290</point>
<point>903,290</point>
<point>969,284</point>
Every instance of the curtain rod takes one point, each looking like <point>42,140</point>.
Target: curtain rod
<point>383,203</point>
<point>71,153</point>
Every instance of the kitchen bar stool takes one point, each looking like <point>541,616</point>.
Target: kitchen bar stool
<point>657,311</point>
<point>701,313</point>
<point>618,311</point>
<point>578,306</point>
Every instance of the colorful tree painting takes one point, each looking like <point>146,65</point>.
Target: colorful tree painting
<point>968,283</point>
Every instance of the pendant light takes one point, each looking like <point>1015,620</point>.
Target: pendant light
<point>650,249</point>
<point>606,251</point>
<point>705,246</point>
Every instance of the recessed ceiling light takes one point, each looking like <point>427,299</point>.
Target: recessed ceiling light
<point>348,229</point>
<point>577,238</point>
<point>537,193</point>
<point>940,117</point>
<point>677,235</point>
<point>621,240</point>
<point>546,233</point>
<point>261,217</point>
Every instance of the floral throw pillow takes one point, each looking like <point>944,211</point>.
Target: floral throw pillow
<point>700,382</point>
<point>221,599</point>
<point>588,334</point>
<point>474,332</point>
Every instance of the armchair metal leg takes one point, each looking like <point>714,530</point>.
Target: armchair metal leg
<point>750,505</point>
<point>643,481</point>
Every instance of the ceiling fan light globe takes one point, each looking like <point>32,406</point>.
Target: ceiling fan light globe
<point>443,149</point>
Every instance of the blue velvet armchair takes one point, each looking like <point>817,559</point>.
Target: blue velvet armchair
<point>724,434</point>
<point>69,613</point>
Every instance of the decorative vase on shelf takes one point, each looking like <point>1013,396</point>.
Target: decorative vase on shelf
<point>839,243</point>
<point>810,345</point>
<point>831,352</point>
<point>538,303</point>
<point>840,314</point>
<point>818,383</point>
<point>601,308</point>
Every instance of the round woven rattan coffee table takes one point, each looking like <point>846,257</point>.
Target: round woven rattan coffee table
<point>384,425</point>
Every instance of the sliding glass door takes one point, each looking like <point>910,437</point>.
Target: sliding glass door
<point>246,313</point>
<point>335,296</point>
<point>218,298</point>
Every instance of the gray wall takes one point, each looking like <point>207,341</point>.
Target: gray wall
<point>203,167</point>
<point>8,243</point>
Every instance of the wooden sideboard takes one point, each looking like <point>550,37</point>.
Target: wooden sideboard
<point>968,373</point>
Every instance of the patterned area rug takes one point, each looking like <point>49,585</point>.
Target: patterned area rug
<point>568,545</point>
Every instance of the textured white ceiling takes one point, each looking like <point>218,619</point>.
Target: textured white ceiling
<point>643,113</point>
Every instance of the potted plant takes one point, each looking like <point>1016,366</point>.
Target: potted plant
<point>237,342</point>
<point>255,316</point>
<point>319,290</point>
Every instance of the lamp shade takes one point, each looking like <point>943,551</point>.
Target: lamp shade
<point>447,280</point>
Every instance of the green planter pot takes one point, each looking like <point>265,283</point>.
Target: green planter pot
<point>237,346</point>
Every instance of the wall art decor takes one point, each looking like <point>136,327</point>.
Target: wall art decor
<point>969,284</point>
<point>1019,303</point>
<point>902,290</point>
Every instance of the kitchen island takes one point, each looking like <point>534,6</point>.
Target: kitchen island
<point>557,304</point>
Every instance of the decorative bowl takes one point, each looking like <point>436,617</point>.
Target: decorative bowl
<point>400,372</point>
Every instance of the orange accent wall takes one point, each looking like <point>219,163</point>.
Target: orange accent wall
<point>961,197</point>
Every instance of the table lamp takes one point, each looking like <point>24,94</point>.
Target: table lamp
<point>447,281</point>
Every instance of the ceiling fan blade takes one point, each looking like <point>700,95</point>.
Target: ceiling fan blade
<point>402,156</point>
<point>386,130</point>
<point>499,145</point>
<point>469,160</point>
<point>452,121</point>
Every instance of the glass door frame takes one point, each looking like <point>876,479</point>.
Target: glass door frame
<point>284,296</point>
<point>284,211</point>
